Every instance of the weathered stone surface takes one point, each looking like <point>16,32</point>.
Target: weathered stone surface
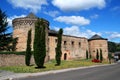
<point>72,47</point>
<point>13,60</point>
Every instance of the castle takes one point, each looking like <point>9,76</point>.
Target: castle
<point>72,47</point>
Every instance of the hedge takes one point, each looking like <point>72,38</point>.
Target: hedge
<point>17,53</point>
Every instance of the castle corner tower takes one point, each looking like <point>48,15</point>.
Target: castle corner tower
<point>96,42</point>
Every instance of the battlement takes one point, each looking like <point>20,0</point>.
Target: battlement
<point>29,21</point>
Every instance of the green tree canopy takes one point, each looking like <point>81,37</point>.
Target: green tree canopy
<point>111,46</point>
<point>58,49</point>
<point>40,43</point>
<point>5,38</point>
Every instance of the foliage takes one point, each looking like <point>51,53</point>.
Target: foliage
<point>97,55</point>
<point>49,66</point>
<point>43,43</point>
<point>28,49</point>
<point>87,55</point>
<point>58,49</point>
<point>101,56</point>
<point>118,47</point>
<point>96,61</point>
<point>111,46</point>
<point>39,43</point>
<point>110,57</point>
<point>5,38</point>
<point>17,53</point>
<point>14,43</point>
<point>90,56</point>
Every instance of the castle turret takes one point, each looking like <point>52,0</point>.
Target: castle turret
<point>96,42</point>
<point>22,26</point>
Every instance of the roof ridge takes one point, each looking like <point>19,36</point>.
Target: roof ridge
<point>31,15</point>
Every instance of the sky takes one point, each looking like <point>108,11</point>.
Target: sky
<point>81,18</point>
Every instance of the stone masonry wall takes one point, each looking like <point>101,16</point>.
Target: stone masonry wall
<point>13,60</point>
<point>98,44</point>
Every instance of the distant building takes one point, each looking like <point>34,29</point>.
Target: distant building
<point>72,46</point>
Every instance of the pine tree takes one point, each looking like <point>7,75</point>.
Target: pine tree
<point>28,49</point>
<point>39,43</point>
<point>97,55</point>
<point>101,56</point>
<point>87,56</point>
<point>58,49</point>
<point>5,38</point>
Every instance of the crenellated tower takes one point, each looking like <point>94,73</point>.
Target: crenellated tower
<point>21,27</point>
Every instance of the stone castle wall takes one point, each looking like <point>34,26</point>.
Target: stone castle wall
<point>72,47</point>
<point>13,60</point>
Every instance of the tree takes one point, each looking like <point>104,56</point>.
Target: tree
<point>43,43</point>
<point>97,55</point>
<point>111,46</point>
<point>14,43</point>
<point>90,55</point>
<point>101,56</point>
<point>87,56</point>
<point>110,57</point>
<point>5,38</point>
<point>28,49</point>
<point>58,48</point>
<point>39,43</point>
<point>118,47</point>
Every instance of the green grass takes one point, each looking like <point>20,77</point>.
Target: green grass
<point>51,66</point>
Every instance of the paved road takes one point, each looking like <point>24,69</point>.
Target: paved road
<point>111,72</point>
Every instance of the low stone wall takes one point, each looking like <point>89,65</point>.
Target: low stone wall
<point>13,60</point>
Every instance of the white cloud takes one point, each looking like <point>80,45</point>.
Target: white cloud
<point>9,19</point>
<point>73,30</point>
<point>52,13</point>
<point>76,31</point>
<point>113,35</point>
<point>74,20</point>
<point>32,5</point>
<point>78,5</point>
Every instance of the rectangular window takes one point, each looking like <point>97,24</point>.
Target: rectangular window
<point>56,40</point>
<point>79,44</point>
<point>72,43</point>
<point>65,42</point>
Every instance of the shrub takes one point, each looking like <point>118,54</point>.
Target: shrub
<point>96,61</point>
<point>39,43</point>
<point>58,49</point>
<point>87,56</point>
<point>97,55</point>
<point>101,56</point>
<point>28,49</point>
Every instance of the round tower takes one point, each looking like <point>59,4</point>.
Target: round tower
<point>96,42</point>
<point>22,26</point>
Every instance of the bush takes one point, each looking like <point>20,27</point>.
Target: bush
<point>39,43</point>
<point>58,48</point>
<point>96,61</point>
<point>28,49</point>
<point>17,53</point>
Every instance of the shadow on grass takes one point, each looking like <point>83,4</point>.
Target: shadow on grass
<point>40,67</point>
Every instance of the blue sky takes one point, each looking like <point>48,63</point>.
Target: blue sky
<point>82,18</point>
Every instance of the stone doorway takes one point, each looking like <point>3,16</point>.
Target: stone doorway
<point>65,56</point>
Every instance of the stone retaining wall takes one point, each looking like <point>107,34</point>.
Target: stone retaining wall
<point>13,60</point>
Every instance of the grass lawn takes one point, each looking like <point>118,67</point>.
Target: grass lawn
<point>51,66</point>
